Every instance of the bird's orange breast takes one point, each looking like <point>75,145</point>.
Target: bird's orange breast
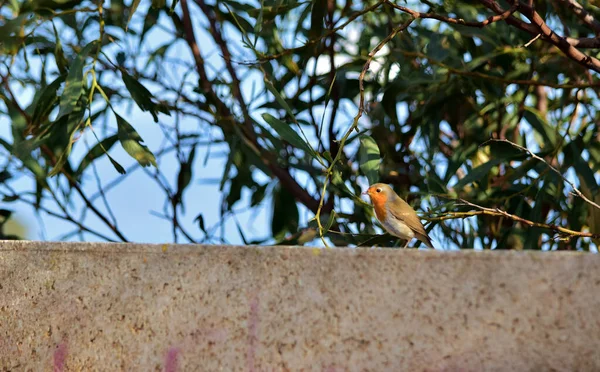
<point>379,207</point>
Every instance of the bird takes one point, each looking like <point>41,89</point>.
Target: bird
<point>396,216</point>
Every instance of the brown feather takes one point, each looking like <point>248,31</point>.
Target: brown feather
<point>385,200</point>
<point>402,211</point>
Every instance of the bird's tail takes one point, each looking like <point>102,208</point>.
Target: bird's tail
<point>426,240</point>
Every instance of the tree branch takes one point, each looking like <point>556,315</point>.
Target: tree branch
<point>458,21</point>
<point>539,26</point>
<point>524,149</point>
<point>500,213</point>
<point>73,182</point>
<point>282,174</point>
<point>582,14</point>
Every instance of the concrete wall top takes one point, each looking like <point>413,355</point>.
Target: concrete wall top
<point>136,307</point>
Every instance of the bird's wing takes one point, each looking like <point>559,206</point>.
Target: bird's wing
<point>410,219</point>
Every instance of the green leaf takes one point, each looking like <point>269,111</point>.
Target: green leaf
<point>59,56</point>
<point>286,133</point>
<point>587,175</point>
<point>67,131</point>
<point>132,143</point>
<point>537,121</point>
<point>99,150</point>
<point>317,16</point>
<point>74,84</point>
<point>259,20</point>
<point>141,95</point>
<point>233,149</point>
<point>10,198</point>
<point>132,10</point>
<point>117,166</point>
<point>235,191</point>
<point>5,176</point>
<point>533,233</point>
<point>521,170</point>
<point>330,221</point>
<point>593,217</point>
<point>14,4</point>
<point>478,173</point>
<point>5,213</point>
<point>258,195</point>
<point>278,97</point>
<point>285,213</point>
<point>369,158</point>
<point>200,220</point>
<point>458,158</point>
<point>185,176</point>
<point>438,47</point>
<point>151,19</point>
<point>45,102</point>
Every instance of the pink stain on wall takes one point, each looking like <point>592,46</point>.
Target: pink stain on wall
<point>60,357</point>
<point>171,360</point>
<point>252,333</point>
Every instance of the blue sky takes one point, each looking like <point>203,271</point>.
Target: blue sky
<point>137,196</point>
<point>137,199</point>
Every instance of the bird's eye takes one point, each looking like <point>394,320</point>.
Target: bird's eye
<point>378,190</point>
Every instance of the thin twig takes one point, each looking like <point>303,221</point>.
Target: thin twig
<point>586,17</point>
<point>500,213</point>
<point>458,21</point>
<point>325,35</point>
<point>248,136</point>
<point>66,216</point>
<point>354,126</point>
<point>524,149</point>
<point>537,26</point>
<point>499,79</point>
<point>527,44</point>
<point>73,182</point>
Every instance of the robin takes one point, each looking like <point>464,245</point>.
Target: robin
<point>396,216</point>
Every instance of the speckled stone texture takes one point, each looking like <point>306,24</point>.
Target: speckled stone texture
<point>131,307</point>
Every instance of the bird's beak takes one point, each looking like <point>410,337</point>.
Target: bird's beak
<point>366,192</point>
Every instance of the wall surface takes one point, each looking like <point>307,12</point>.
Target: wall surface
<point>129,307</point>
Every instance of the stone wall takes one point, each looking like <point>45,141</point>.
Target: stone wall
<point>132,307</point>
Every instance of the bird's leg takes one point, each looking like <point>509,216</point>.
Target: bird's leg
<point>406,245</point>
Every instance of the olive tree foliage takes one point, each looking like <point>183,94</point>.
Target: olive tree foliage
<point>482,114</point>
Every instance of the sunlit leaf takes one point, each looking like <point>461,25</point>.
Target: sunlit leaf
<point>96,152</point>
<point>67,132</point>
<point>141,95</point>
<point>59,56</point>
<point>330,221</point>
<point>369,158</point>
<point>74,83</point>
<point>287,133</point>
<point>46,102</point>
<point>132,143</point>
